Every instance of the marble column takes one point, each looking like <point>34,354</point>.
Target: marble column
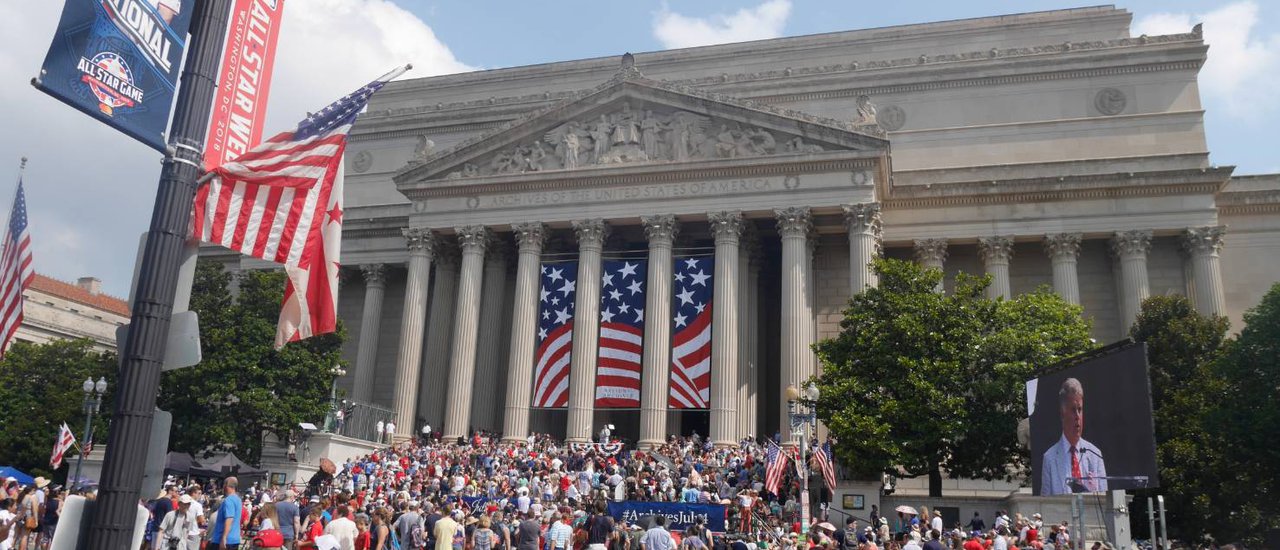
<point>529,238</point>
<point>661,230</point>
<point>746,368</point>
<point>492,297</point>
<point>863,222</point>
<point>1203,245</point>
<point>586,330</point>
<point>751,408</point>
<point>1131,248</point>
<point>466,324</point>
<point>435,361</point>
<point>404,400</point>
<point>1063,250</point>
<point>726,227</point>
<point>796,358</point>
<point>932,253</point>
<point>996,252</point>
<point>375,287</point>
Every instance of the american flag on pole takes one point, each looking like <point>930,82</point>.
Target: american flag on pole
<point>691,339</point>
<point>16,271</point>
<point>555,334</point>
<point>282,202</point>
<point>822,455</point>
<point>621,334</point>
<point>775,466</point>
<point>61,446</point>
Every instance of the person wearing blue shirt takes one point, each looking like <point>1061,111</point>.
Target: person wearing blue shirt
<point>226,528</point>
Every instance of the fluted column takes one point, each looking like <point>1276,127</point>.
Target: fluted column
<point>1063,250</point>
<point>370,322</point>
<point>996,252</point>
<point>794,225</point>
<point>1203,245</point>
<point>404,399</point>
<point>932,253</point>
<point>466,325</point>
<point>586,333</point>
<point>529,238</point>
<point>1131,248</point>
<point>726,227</point>
<point>435,360</point>
<point>492,298</point>
<point>661,230</point>
<point>863,222</point>
<point>752,407</point>
<point>746,366</point>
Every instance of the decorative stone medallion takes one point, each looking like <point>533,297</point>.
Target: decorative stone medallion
<point>860,177</point>
<point>891,117</point>
<point>1110,101</point>
<point>362,161</point>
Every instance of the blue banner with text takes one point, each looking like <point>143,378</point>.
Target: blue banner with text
<point>680,516</point>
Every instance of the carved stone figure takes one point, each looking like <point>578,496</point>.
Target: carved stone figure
<point>423,149</point>
<point>650,127</point>
<point>866,115</point>
<point>570,155</point>
<point>626,128</point>
<point>797,145</point>
<point>599,139</point>
<point>536,155</point>
<point>726,143</point>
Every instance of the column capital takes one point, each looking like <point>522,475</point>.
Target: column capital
<point>863,218</point>
<point>591,233</point>
<point>931,250</point>
<point>1203,241</point>
<point>419,240</point>
<point>374,274</point>
<point>1062,245</point>
<point>473,238</point>
<point>794,221</point>
<point>660,227</point>
<point>726,226</point>
<point>995,249</point>
<point>530,236</point>
<point>1129,244</point>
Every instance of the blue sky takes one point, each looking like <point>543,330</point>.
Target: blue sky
<point>90,190</point>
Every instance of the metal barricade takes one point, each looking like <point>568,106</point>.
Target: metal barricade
<point>362,420</point>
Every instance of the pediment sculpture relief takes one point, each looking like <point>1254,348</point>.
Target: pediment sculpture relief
<point>632,135</point>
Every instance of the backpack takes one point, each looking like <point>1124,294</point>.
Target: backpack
<point>417,538</point>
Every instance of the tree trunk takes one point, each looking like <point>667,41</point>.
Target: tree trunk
<point>935,480</point>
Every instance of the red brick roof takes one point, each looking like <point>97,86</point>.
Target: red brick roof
<point>69,291</point>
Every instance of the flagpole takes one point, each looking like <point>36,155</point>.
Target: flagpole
<point>142,352</point>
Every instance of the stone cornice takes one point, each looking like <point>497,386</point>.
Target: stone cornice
<point>1053,189</point>
<point>1249,202</point>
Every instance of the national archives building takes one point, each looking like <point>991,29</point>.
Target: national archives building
<point>1048,148</point>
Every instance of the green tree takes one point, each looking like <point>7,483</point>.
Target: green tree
<point>40,388</point>
<point>930,382</point>
<point>245,389</point>
<point>1181,346</point>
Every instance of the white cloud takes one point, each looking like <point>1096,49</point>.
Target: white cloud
<point>766,20</point>
<point>90,189</point>
<point>1243,68</point>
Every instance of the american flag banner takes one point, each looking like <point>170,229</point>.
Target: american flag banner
<point>621,334</point>
<point>60,447</point>
<point>775,466</point>
<point>555,334</point>
<point>691,336</point>
<point>281,201</point>
<point>822,455</point>
<point>16,271</point>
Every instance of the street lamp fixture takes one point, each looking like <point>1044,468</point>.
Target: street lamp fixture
<point>803,418</point>
<point>93,392</point>
<point>331,419</point>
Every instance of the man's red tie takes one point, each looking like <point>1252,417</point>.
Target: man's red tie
<point>1075,464</point>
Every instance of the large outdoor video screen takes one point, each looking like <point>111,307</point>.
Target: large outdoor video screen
<point>1091,428</point>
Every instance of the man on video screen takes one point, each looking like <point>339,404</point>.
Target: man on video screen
<point>1072,457</point>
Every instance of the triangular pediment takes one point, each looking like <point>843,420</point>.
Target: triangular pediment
<point>633,120</point>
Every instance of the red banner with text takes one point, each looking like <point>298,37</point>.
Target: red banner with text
<point>240,103</point>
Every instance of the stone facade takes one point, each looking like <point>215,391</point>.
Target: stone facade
<point>57,310</point>
<point>1048,149</point>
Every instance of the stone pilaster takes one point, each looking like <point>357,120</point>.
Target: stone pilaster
<point>586,335</point>
<point>457,415</point>
<point>932,253</point>
<point>996,252</point>
<point>1131,248</point>
<point>863,222</point>
<point>408,362</point>
<point>530,237</point>
<point>661,231</point>
<point>725,314</point>
<point>435,360</point>
<point>1063,250</point>
<point>488,356</point>
<point>795,225</point>
<point>375,286</point>
<point>1203,245</point>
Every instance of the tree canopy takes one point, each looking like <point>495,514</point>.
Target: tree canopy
<point>924,381</point>
<point>244,389</point>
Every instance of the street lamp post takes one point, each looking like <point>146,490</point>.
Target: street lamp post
<point>331,419</point>
<point>803,418</point>
<point>92,400</point>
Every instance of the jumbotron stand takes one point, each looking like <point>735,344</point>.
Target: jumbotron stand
<point>1119,533</point>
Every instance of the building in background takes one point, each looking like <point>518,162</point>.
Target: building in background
<point>58,310</point>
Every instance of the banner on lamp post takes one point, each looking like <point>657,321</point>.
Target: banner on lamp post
<point>240,102</point>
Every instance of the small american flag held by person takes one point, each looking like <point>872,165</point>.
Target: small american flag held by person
<point>691,337</point>
<point>775,466</point>
<point>16,271</point>
<point>555,334</point>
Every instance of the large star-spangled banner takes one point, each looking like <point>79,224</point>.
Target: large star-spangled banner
<point>622,302</point>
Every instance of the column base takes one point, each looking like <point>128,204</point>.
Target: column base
<point>577,440</point>
<point>515,440</point>
<point>649,444</point>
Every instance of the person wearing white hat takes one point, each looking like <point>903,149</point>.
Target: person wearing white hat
<point>176,527</point>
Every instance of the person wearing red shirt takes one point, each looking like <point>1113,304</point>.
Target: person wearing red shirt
<point>973,543</point>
